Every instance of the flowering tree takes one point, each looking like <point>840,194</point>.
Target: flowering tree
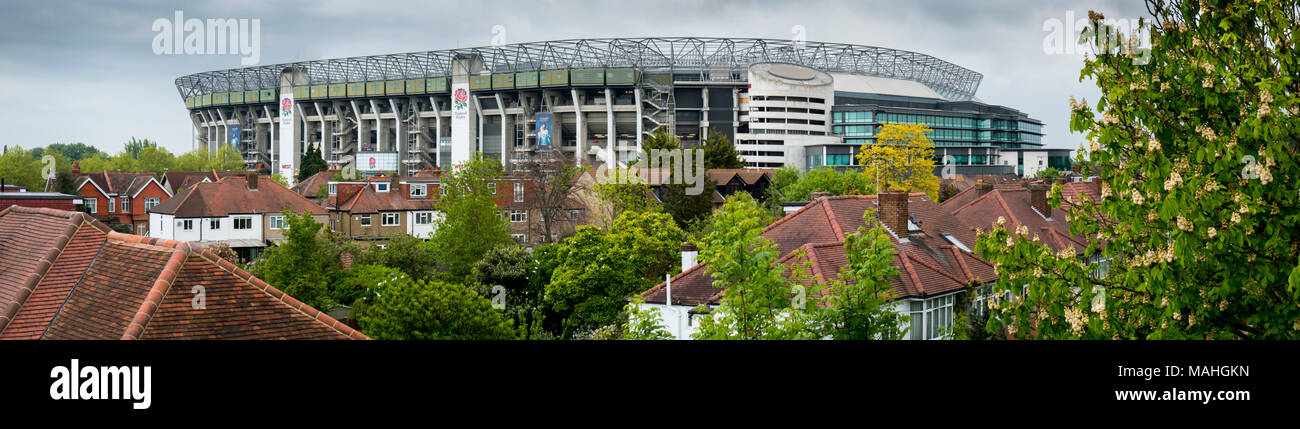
<point>902,158</point>
<point>1198,218</point>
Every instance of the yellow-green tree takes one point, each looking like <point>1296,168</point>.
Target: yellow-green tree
<point>902,158</point>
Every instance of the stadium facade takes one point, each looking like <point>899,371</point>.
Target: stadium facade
<point>781,102</point>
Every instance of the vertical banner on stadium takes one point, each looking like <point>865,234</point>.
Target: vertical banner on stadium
<point>461,146</point>
<point>286,135</point>
<point>545,128</point>
<point>233,138</point>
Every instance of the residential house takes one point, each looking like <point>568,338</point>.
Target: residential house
<point>244,212</point>
<point>121,198</point>
<point>933,246</point>
<point>378,208</point>
<point>311,187</point>
<point>69,276</point>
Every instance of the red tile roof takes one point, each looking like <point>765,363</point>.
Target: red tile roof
<point>308,188</point>
<point>363,198</point>
<point>78,279</point>
<point>231,195</point>
<point>928,263</point>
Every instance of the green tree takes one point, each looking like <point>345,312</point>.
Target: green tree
<point>18,168</point>
<point>312,163</point>
<point>420,310</point>
<point>1048,173</point>
<point>362,284</point>
<point>155,159</point>
<point>136,146</point>
<point>303,265</point>
<point>513,268</point>
<point>902,158</point>
<point>72,151</point>
<point>643,323</point>
<point>720,153</point>
<point>280,179</point>
<point>597,271</point>
<point>404,253</point>
<point>758,301</point>
<point>788,186</point>
<point>618,198</point>
<point>1195,142</point>
<point>859,303</point>
<point>472,223</point>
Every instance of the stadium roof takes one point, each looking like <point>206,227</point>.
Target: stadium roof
<point>659,54</point>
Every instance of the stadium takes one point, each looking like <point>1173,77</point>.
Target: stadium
<point>781,102</point>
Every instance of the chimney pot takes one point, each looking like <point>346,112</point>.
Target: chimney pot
<point>252,180</point>
<point>893,211</point>
<point>689,254</point>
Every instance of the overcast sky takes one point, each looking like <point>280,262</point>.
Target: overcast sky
<point>86,71</point>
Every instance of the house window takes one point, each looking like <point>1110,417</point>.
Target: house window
<point>150,202</point>
<point>126,204</point>
<point>92,205</point>
<point>187,225</point>
<point>112,204</point>
<point>365,220</point>
<point>573,214</point>
<point>442,190</point>
<point>243,222</point>
<point>423,218</point>
<point>214,224</point>
<point>334,188</point>
<point>391,219</point>
<point>520,238</point>
<point>492,187</point>
<point>518,216</point>
<point>418,190</point>
<point>381,187</point>
<point>932,318</point>
<point>278,222</point>
<point>519,192</point>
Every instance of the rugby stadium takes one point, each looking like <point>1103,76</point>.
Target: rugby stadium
<point>781,102</point>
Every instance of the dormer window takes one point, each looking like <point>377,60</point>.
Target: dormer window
<point>381,187</point>
<point>334,189</point>
<point>418,190</point>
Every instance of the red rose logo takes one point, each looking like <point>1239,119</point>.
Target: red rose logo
<point>286,104</point>
<point>461,95</point>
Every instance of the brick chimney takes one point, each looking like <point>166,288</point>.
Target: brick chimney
<point>1038,197</point>
<point>982,187</point>
<point>893,211</point>
<point>76,169</point>
<point>252,180</point>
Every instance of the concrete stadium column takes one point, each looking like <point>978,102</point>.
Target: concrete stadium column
<point>611,137</point>
<point>361,126</point>
<point>704,113</point>
<point>464,123</point>
<point>289,79</point>
<point>400,144</point>
<point>580,152</point>
<point>437,133</point>
<point>640,110</point>
<point>504,153</point>
<point>478,113</point>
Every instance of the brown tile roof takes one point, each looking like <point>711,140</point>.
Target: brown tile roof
<point>363,198</point>
<point>308,188</point>
<point>81,280</point>
<point>749,176</point>
<point>181,180</point>
<point>120,183</point>
<point>928,264</point>
<point>1013,205</point>
<point>1070,191</point>
<point>231,195</point>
